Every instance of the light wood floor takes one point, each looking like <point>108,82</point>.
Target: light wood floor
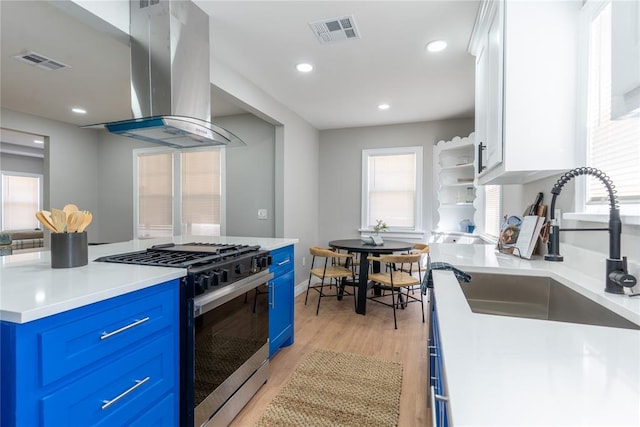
<point>339,328</point>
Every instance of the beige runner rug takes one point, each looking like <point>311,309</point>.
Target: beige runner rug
<point>338,389</point>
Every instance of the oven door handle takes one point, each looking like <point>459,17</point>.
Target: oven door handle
<point>209,301</point>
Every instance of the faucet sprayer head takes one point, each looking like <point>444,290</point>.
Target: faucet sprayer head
<point>611,189</point>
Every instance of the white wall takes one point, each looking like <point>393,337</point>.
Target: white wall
<point>340,164</point>
<point>115,186</point>
<point>250,176</point>
<point>296,162</point>
<point>70,165</point>
<point>19,163</point>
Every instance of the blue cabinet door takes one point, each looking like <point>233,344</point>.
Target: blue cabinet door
<point>281,312</point>
<point>281,292</point>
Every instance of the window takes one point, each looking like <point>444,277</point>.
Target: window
<point>492,209</point>
<point>392,188</point>
<point>21,198</point>
<point>168,206</point>
<point>613,146</point>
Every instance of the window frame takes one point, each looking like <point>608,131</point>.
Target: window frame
<point>418,151</point>
<point>177,229</point>
<point>630,212</point>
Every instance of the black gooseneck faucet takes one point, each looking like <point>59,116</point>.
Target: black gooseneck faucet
<point>617,275</point>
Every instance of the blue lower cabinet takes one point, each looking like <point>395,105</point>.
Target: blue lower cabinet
<point>281,296</point>
<point>160,414</point>
<point>111,363</point>
<point>438,394</point>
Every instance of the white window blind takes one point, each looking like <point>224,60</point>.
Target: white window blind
<point>391,193</point>
<point>201,192</point>
<point>197,187</point>
<point>613,145</point>
<point>155,195</point>
<point>21,199</point>
<point>492,209</point>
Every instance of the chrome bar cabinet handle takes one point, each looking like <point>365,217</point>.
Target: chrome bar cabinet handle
<point>106,334</point>
<point>138,383</point>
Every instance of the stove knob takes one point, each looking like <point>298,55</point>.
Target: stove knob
<point>215,278</point>
<point>264,261</point>
<point>218,277</point>
<point>203,283</point>
<point>239,269</point>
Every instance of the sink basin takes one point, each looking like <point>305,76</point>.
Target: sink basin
<point>537,298</point>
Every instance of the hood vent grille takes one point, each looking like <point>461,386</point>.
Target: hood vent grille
<point>40,61</point>
<point>335,29</point>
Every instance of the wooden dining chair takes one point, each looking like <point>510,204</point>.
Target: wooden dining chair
<point>330,271</point>
<point>420,267</point>
<point>395,279</point>
<point>351,263</point>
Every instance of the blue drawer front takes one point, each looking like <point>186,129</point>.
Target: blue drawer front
<point>162,414</point>
<point>282,260</point>
<point>81,402</point>
<point>78,343</point>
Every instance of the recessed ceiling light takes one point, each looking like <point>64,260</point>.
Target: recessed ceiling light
<point>304,67</point>
<point>384,107</point>
<point>436,45</point>
<point>37,141</point>
<point>79,110</point>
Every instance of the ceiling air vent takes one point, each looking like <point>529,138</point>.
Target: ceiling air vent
<point>40,61</point>
<point>335,29</point>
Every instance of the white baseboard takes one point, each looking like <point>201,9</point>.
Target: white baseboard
<point>300,288</point>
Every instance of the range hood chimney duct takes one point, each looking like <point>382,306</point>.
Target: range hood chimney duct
<point>170,87</point>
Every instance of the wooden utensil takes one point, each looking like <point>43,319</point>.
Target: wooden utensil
<point>74,221</point>
<point>68,208</point>
<point>58,219</point>
<point>44,221</point>
<point>88,216</point>
<point>47,216</point>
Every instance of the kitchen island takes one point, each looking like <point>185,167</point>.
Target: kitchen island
<point>101,343</point>
<point>501,370</point>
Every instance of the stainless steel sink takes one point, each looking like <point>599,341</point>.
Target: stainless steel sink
<point>537,298</point>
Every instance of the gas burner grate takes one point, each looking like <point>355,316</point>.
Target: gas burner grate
<point>183,255</point>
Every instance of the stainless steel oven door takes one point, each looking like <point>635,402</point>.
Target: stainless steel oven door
<point>231,347</point>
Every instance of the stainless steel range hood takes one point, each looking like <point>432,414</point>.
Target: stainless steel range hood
<point>170,86</point>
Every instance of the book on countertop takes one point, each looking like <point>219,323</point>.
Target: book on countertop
<point>528,235</point>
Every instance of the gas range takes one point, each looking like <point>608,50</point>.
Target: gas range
<point>210,266</point>
<point>224,324</point>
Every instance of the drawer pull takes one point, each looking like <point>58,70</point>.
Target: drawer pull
<point>138,383</point>
<point>106,334</point>
<point>286,261</point>
<point>272,292</point>
<point>441,397</point>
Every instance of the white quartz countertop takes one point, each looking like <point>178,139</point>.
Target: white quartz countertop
<point>507,371</point>
<point>30,289</point>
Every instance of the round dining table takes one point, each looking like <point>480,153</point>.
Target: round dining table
<point>364,249</point>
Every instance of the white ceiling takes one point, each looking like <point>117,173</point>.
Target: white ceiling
<point>263,41</point>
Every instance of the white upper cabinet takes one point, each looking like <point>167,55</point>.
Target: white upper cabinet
<point>489,78</point>
<point>625,59</point>
<point>526,61</point>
